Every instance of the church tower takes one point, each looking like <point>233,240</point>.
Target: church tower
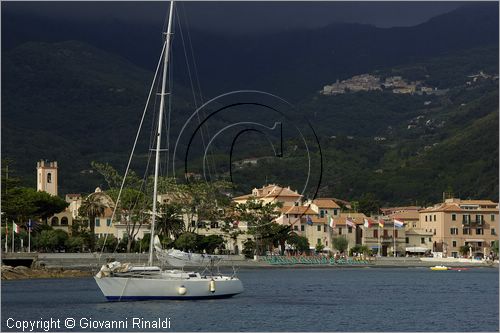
<point>46,177</point>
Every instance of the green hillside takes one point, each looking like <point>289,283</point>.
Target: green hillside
<point>74,103</point>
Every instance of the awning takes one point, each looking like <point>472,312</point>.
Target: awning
<point>417,249</point>
<point>474,240</point>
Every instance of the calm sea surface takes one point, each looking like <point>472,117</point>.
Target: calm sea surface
<point>350,299</point>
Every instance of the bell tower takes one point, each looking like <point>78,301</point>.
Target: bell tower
<point>46,177</point>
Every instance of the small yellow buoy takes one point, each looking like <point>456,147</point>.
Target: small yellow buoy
<point>182,290</point>
<point>211,286</point>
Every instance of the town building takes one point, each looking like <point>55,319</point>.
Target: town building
<point>455,223</point>
<point>46,175</point>
<point>273,193</point>
<point>47,181</point>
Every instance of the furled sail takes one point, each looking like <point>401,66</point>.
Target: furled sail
<point>178,258</point>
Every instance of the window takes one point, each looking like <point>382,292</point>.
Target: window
<point>492,217</point>
<point>454,231</point>
<point>340,231</point>
<point>193,224</point>
<point>108,222</point>
<point>479,244</point>
<point>301,227</point>
<point>493,231</point>
<point>466,231</point>
<point>479,231</point>
<point>395,234</point>
<point>64,220</point>
<point>385,233</point>
<point>465,219</point>
<point>454,243</point>
<point>296,227</point>
<point>324,228</point>
<point>349,230</point>
<point>407,240</point>
<point>375,233</point>
<point>214,225</point>
<point>434,217</point>
<point>49,178</point>
<point>479,219</point>
<point>453,217</point>
<point>54,221</point>
<point>434,231</point>
<point>97,222</point>
<point>322,213</point>
<point>414,224</point>
<point>425,218</point>
<point>430,239</point>
<point>422,240</point>
<point>335,211</point>
<point>318,227</point>
<point>454,254</point>
<point>318,241</point>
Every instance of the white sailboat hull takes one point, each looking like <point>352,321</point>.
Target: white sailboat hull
<point>165,287</point>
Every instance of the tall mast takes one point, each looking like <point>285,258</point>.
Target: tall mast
<point>158,134</point>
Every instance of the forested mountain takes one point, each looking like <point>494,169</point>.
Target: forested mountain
<point>80,100</point>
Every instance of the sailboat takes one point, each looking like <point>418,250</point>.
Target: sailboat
<point>121,282</point>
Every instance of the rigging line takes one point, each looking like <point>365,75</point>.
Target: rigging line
<point>169,109</point>
<point>135,144</point>
<point>192,84</point>
<point>197,78</point>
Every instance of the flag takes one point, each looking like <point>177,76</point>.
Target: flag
<point>398,223</point>
<point>331,222</point>
<point>16,228</point>
<point>368,223</point>
<point>381,223</point>
<point>309,220</point>
<point>350,222</point>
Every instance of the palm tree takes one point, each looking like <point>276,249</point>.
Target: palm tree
<point>170,223</point>
<point>92,207</point>
<point>281,234</point>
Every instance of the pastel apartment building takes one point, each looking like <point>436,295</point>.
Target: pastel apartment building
<point>455,223</point>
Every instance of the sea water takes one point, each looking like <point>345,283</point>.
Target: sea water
<point>281,299</point>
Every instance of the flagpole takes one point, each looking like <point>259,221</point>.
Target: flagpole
<point>379,245</point>
<point>394,236</point>
<point>12,238</point>
<point>6,236</point>
<point>29,236</point>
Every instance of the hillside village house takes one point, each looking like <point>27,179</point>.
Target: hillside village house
<point>455,223</point>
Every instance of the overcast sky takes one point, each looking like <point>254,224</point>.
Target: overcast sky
<point>246,16</point>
